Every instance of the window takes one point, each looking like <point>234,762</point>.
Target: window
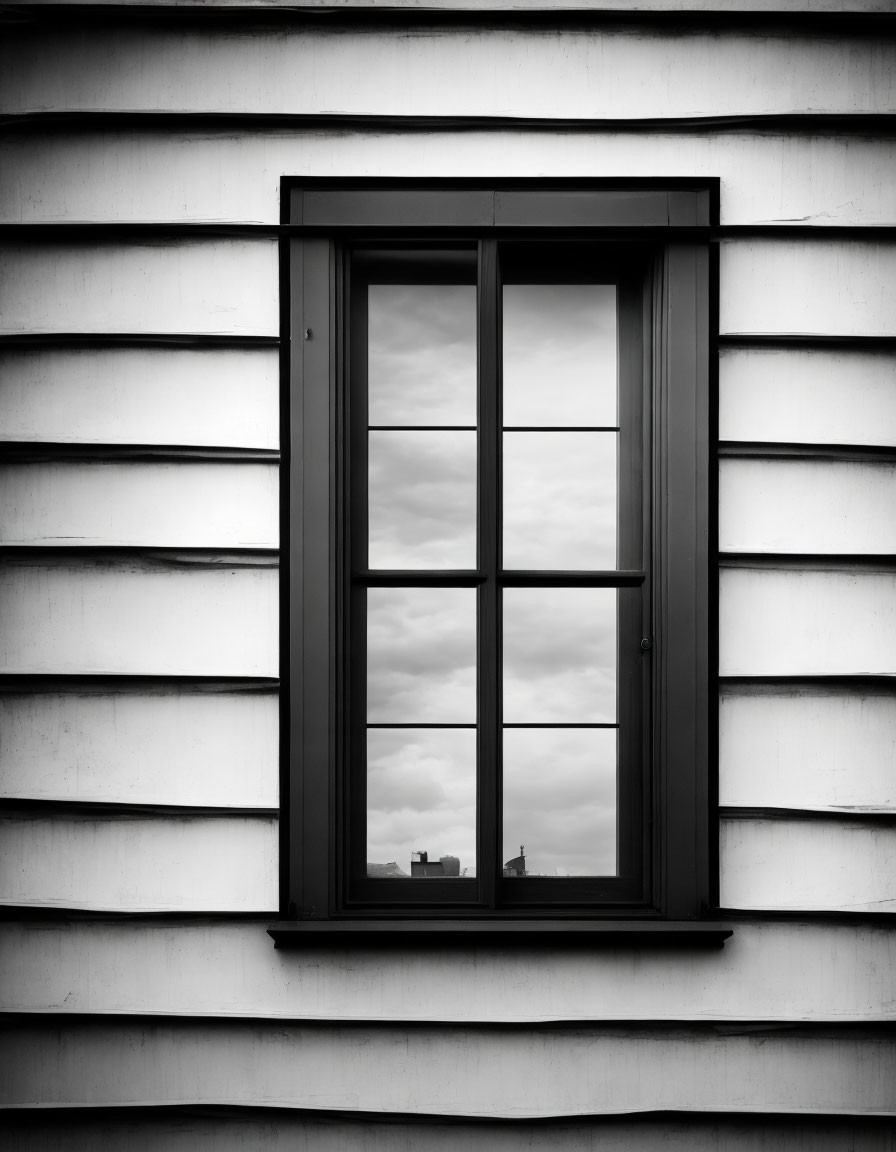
<point>496,614</point>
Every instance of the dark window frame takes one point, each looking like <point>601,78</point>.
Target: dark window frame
<point>669,224</point>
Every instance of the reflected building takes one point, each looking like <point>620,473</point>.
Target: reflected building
<point>517,866</point>
<point>445,866</point>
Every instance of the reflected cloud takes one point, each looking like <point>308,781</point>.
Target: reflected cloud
<point>559,655</point>
<point>421,655</point>
<point>421,361</point>
<point>422,493</point>
<point>559,354</point>
<point>560,800</point>
<point>421,795</point>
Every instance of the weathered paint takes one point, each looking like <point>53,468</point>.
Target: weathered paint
<point>130,617</point>
<point>766,971</point>
<point>808,396</point>
<point>162,395</point>
<point>218,749</point>
<point>207,286</point>
<point>204,176</point>
<point>808,748</point>
<point>71,503</point>
<point>139,863</point>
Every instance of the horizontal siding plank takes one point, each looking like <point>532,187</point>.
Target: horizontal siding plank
<point>138,618</point>
<point>792,287</point>
<point>206,286</point>
<point>817,396</point>
<point>441,1070</point>
<point>765,972</point>
<point>170,505</point>
<point>807,506</point>
<point>199,177</point>
<point>189,748</point>
<point>807,865</point>
<point>806,623</point>
<point>609,72</point>
<point>142,1131</point>
<point>139,864</point>
<point>807,749</point>
<point>209,397</point>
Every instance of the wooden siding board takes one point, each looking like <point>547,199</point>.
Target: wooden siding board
<point>766,972</point>
<point>267,1131</point>
<point>139,864</point>
<point>807,749</point>
<point>74,503</point>
<point>806,506</point>
<point>138,618</point>
<point>807,865</point>
<point>795,286</point>
<point>178,747</point>
<point>141,396</point>
<point>625,72</point>
<point>489,1072</point>
<point>200,176</point>
<point>804,623</point>
<point>207,286</point>
<point>812,396</point>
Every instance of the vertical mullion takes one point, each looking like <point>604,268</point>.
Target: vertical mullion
<point>489,622</point>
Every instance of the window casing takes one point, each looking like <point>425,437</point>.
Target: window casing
<point>651,243</point>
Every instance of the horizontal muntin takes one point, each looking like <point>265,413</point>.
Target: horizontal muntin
<point>519,578</point>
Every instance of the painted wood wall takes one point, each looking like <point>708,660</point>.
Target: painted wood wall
<point>147,1008</point>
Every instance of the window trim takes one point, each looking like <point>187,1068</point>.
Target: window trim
<point>675,218</point>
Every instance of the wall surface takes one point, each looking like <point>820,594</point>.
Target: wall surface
<point>139,328</point>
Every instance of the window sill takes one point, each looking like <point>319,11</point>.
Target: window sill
<point>599,933</point>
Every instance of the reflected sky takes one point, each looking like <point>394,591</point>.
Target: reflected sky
<point>559,354</point>
<point>421,655</point>
<point>421,363</point>
<point>422,492</point>
<point>421,795</point>
<point>560,800</point>
<point>559,500</point>
<point>560,655</point>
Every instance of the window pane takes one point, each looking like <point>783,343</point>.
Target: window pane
<point>560,801</point>
<point>421,364</point>
<point>422,493</point>
<point>560,354</point>
<point>421,802</point>
<point>421,655</point>
<point>560,500</point>
<point>559,655</point>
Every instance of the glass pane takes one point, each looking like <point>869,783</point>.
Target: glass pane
<point>421,802</point>
<point>560,801</point>
<point>422,494</point>
<point>421,361</point>
<point>560,500</point>
<point>560,655</point>
<point>421,655</point>
<point>560,355</point>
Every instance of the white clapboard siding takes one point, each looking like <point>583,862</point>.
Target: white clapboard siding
<point>139,863</point>
<point>838,287</point>
<point>209,286</point>
<point>808,396</point>
<point>806,622</point>
<point>183,504</point>
<point>611,71</point>
<point>815,506</point>
<point>765,972</point>
<point>205,176</point>
<point>218,749</point>
<point>137,617</point>
<point>205,397</point>
<point>450,1070</point>
<point>267,1131</point>
<point>807,749</point>
<point>807,865</point>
